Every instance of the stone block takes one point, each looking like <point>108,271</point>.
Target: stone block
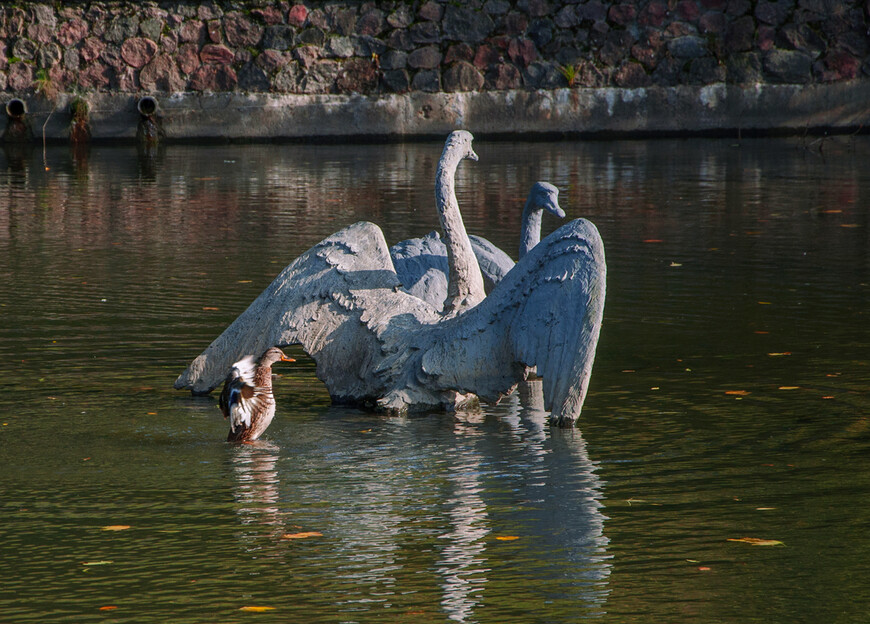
<point>459,52</point>
<point>279,37</point>
<point>740,35</point>
<point>371,23</point>
<point>632,76</point>
<point>307,55</point>
<point>253,78</point>
<point>297,15</point>
<point>462,76</point>
<point>270,15</point>
<point>402,17</point>
<point>287,80</point>
<point>338,47</point>
<point>485,56</point>
<point>428,57</point>
<point>241,31</point>
<point>425,32</point>
<point>161,74</point>
<point>787,66</point>
<point>394,59</point>
<point>213,78</point>
<point>430,11</point>
<point>427,80</point>
<point>218,54</point>
<point>71,32</point>
<point>357,76</point>
<point>503,77</point>
<point>192,32</point>
<point>138,51</point>
<point>396,81</point>
<point>463,24</point>
<point>188,57</point>
<point>522,52</point>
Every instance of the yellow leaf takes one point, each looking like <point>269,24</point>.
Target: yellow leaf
<point>756,541</point>
<point>96,563</point>
<point>116,527</point>
<point>789,387</point>
<point>779,354</point>
<point>507,538</point>
<point>257,609</point>
<point>108,608</point>
<point>301,535</point>
<point>738,392</point>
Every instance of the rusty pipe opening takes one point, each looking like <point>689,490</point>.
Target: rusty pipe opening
<point>147,106</point>
<point>16,108</point>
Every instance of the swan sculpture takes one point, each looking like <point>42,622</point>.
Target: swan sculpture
<point>247,399</point>
<point>375,344</point>
<point>421,263</point>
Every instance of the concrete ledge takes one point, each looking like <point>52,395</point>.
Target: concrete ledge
<point>689,110</point>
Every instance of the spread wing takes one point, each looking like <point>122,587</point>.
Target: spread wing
<point>335,300</point>
<point>546,313</point>
<point>240,398</point>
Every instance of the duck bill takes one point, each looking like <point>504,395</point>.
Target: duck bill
<point>287,359</point>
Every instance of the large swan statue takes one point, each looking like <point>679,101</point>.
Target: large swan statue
<point>376,345</point>
<point>421,263</point>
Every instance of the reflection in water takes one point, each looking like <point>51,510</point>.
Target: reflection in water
<point>555,501</point>
<point>256,489</point>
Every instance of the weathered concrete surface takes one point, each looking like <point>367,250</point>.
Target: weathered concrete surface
<point>716,108</point>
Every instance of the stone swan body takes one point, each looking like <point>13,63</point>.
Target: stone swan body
<point>421,263</point>
<point>247,400</point>
<point>377,345</point>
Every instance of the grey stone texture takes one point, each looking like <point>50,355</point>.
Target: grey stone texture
<point>419,45</point>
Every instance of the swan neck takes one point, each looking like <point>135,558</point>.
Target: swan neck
<point>530,234</point>
<point>464,282</point>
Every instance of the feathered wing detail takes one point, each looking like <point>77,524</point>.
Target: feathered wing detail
<point>241,398</point>
<point>546,313</point>
<point>335,300</point>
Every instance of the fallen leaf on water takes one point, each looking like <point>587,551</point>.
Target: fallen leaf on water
<point>96,563</point>
<point>302,535</point>
<point>257,609</point>
<point>243,281</point>
<point>779,354</point>
<point>653,240</point>
<point>210,308</point>
<point>703,569</point>
<point>675,264</point>
<point>765,303</point>
<point>108,608</point>
<point>116,527</point>
<point>756,541</point>
<point>738,392</point>
<point>507,538</point>
<point>789,387</point>
<point>765,508</point>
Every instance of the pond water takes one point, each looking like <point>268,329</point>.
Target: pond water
<point>729,397</point>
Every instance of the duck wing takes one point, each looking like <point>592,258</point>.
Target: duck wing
<point>335,300</point>
<point>241,398</point>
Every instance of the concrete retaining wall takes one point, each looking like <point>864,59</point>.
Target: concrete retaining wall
<point>255,70</point>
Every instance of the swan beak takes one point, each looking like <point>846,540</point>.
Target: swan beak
<point>472,156</point>
<point>556,210</point>
<point>287,359</point>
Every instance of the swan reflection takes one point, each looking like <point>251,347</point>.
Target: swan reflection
<point>463,515</point>
<point>530,490</point>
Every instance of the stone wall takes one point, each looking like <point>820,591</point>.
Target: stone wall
<point>426,46</point>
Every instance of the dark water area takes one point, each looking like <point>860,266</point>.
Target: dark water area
<point>729,397</point>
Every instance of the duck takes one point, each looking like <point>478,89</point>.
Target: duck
<point>247,399</point>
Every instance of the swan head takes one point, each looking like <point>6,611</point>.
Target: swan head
<point>459,142</point>
<point>272,355</point>
<point>545,196</point>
